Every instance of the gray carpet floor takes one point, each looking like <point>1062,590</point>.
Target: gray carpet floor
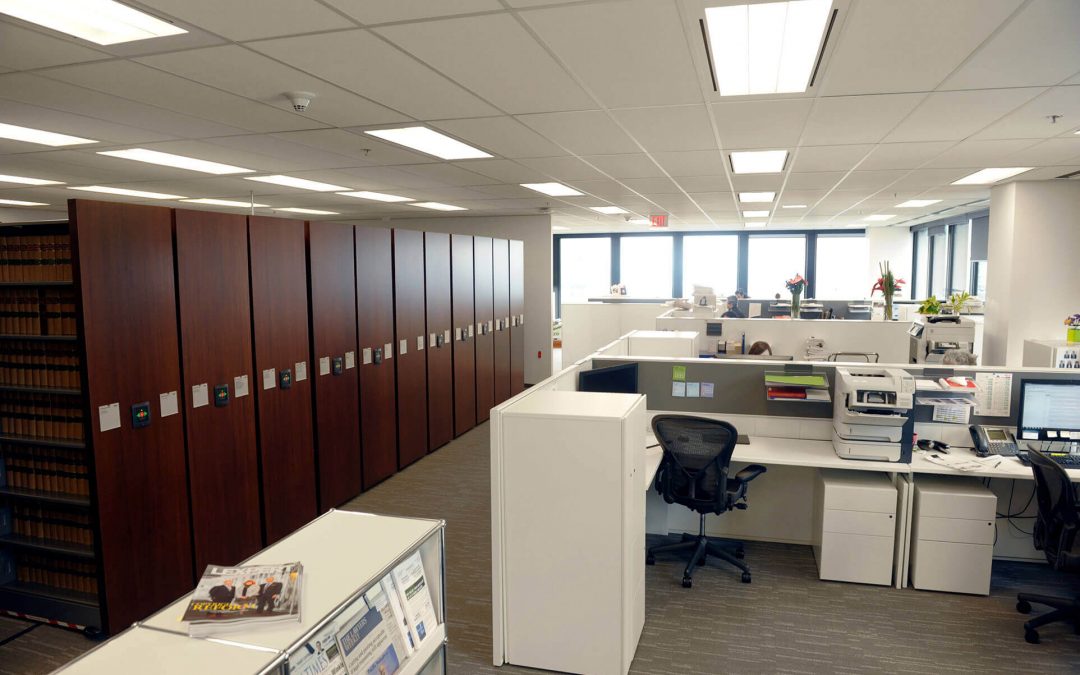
<point>786,621</point>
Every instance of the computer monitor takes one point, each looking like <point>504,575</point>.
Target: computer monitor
<point>1049,410</point>
<point>612,380</point>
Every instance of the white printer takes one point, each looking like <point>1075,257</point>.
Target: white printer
<point>931,338</point>
<point>872,414</point>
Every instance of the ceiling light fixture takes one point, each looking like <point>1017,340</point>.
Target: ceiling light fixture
<point>608,210</point>
<point>102,22</point>
<point>793,206</point>
<point>988,176</point>
<point>755,225</point>
<point>766,48</point>
<point>28,135</point>
<point>300,183</point>
<point>917,203</point>
<point>376,196</point>
<point>225,202</point>
<point>439,207</point>
<point>16,202</point>
<point>27,181</point>
<point>313,212</point>
<point>552,189</point>
<point>125,192</point>
<point>755,214</point>
<point>429,141</point>
<point>758,161</point>
<point>749,197</point>
<point>175,161</point>
<point>881,217</point>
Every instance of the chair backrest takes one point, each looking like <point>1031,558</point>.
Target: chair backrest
<point>1058,522</point>
<point>697,452</point>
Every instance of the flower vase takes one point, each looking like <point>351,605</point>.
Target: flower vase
<point>796,300</point>
<point>1074,334</point>
<point>888,309</point>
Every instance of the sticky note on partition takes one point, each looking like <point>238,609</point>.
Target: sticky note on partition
<point>693,389</point>
<point>707,389</point>
<point>678,389</point>
<point>678,373</point>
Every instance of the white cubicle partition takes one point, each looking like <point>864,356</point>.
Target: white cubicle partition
<point>669,343</point>
<point>588,326</point>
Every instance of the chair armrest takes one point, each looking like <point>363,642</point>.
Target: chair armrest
<point>750,473</point>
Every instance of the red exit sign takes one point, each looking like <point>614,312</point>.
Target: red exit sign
<point>659,220</point>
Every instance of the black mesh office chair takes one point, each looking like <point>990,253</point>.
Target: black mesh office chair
<point>694,473</point>
<point>1056,529</point>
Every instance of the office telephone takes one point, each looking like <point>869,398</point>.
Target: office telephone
<point>993,441</point>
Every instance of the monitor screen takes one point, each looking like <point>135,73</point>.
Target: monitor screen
<point>613,380</point>
<point>1049,409</point>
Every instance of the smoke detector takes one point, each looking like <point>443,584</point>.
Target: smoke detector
<point>300,100</point>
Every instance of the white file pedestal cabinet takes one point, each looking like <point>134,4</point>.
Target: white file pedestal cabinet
<point>952,535</point>
<point>855,526</point>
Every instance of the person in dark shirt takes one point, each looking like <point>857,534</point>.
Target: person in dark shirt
<point>223,592</point>
<point>268,594</point>
<point>760,348</point>
<point>733,309</point>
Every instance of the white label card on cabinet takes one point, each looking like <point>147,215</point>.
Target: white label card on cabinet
<point>366,355</point>
<point>419,343</point>
<point>432,339</point>
<point>200,395</point>
<point>350,359</point>
<point>471,333</point>
<point>109,416</point>
<point>457,334</point>
<point>403,347</point>
<point>446,336</point>
<point>324,365</point>
<point>168,403</point>
<point>240,386</point>
<point>521,319</point>
<point>513,321</point>
<point>388,351</point>
<point>301,371</point>
<point>490,324</point>
<point>269,378</point>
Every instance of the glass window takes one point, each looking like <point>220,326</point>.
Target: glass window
<point>979,274</point>
<point>645,266</point>
<point>961,273</point>
<point>584,268</point>
<point>940,265</point>
<point>772,261</point>
<point>842,263</point>
<point>710,260</point>
<point>922,262</point>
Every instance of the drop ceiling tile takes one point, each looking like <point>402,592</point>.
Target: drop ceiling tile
<point>362,149</point>
<point>280,155</point>
<point>1031,120</point>
<point>870,180</point>
<point>503,136</point>
<point>716,202</point>
<point>23,49</point>
<point>822,180</point>
<point>636,165</point>
<point>505,191</point>
<point>494,56</point>
<point>695,163</point>
<point>242,21</point>
<point>384,179</point>
<point>582,133</point>
<point>955,115</point>
<point>979,154</point>
<point>447,174</point>
<point>829,157</point>
<point>856,119</point>
<point>1051,172</point>
<point>628,53</point>
<point>563,168</point>
<point>607,189</point>
<point>761,123</point>
<point>539,3</point>
<point>903,155</point>
<point>669,128</point>
<point>757,183</point>
<point>383,11</point>
<point>82,125</point>
<point>908,46</point>
<point>703,183</point>
<point>924,179</point>
<point>652,186</point>
<point>1051,152</point>
<point>506,170</point>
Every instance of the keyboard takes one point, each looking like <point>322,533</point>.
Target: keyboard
<point>1064,459</point>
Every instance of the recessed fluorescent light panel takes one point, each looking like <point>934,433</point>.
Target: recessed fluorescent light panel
<point>755,214</point>
<point>608,210</point>
<point>429,141</point>
<point>767,48</point>
<point>102,22</point>
<point>639,221</point>
<point>289,181</point>
<point>552,189</point>
<point>125,192</point>
<point>756,225</point>
<point>16,202</point>
<point>881,216</point>
<point>793,206</point>
<point>988,176</point>
<point>28,135</point>
<point>375,196</point>
<point>225,202</point>
<point>439,207</point>
<point>759,161</point>
<point>917,203</point>
<point>27,181</point>
<point>175,161</point>
<point>748,197</point>
<point>313,212</point>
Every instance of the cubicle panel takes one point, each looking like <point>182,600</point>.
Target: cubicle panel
<point>331,257</point>
<point>410,329</point>
<point>375,330</point>
<point>215,336</point>
<point>517,311</point>
<point>463,335</point>
<point>500,275</point>
<point>484,309</point>
<point>440,361</point>
<point>279,312</point>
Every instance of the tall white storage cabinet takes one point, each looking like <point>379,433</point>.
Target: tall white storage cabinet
<point>574,530</point>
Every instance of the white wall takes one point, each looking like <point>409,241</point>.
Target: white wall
<point>535,231</point>
<point>1034,241</point>
<point>894,245</point>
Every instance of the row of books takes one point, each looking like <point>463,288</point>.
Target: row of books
<point>47,523</point>
<point>56,470</point>
<point>24,312</point>
<point>35,258</point>
<point>71,575</point>
<point>39,364</point>
<point>42,416</point>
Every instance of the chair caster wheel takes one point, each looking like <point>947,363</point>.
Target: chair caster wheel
<point>740,554</point>
<point>1031,636</point>
<point>650,559</point>
<point>687,582</point>
<point>746,577</point>
<point>1023,606</point>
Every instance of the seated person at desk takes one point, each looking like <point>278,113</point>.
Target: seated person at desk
<point>732,309</point>
<point>760,347</point>
<point>740,294</point>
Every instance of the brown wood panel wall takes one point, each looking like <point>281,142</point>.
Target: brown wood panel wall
<point>517,310</point>
<point>279,309</point>
<point>500,285</point>
<point>332,277</point>
<point>440,331</point>
<point>484,309</point>
<point>461,286</point>
<point>411,359</point>
<point>123,257</point>
<point>215,338</point>
<point>375,330</point>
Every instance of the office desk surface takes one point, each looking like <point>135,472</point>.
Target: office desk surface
<point>799,452</point>
<point>652,460</point>
<point>1010,467</point>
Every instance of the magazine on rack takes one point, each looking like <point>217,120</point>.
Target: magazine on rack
<point>414,595</point>
<point>319,656</point>
<point>371,641</point>
<point>238,598</point>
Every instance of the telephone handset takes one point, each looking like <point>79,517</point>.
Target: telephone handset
<point>993,441</point>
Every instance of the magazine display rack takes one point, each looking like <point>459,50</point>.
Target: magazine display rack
<point>345,554</point>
